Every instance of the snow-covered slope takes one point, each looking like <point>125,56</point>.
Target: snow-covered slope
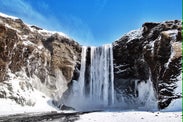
<point>42,104</point>
<point>21,97</point>
<point>36,66</point>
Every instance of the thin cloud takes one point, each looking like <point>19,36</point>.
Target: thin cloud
<point>21,8</point>
<point>73,27</point>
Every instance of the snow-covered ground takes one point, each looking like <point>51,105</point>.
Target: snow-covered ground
<point>131,116</point>
<point>43,104</point>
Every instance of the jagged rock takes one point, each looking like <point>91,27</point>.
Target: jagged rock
<point>153,52</point>
<point>64,54</point>
<point>37,28</point>
<point>64,107</point>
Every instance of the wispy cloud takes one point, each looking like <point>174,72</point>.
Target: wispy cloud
<point>20,8</point>
<point>73,26</point>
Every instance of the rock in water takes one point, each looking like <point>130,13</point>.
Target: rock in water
<point>64,107</point>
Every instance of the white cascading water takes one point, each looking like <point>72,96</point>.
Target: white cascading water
<point>101,75</point>
<point>95,86</point>
<point>98,93</point>
<point>82,71</point>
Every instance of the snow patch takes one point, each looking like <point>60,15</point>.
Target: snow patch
<point>179,84</point>
<point>49,33</point>
<point>26,43</point>
<point>152,46</point>
<point>43,104</point>
<point>147,96</point>
<point>8,26</point>
<point>175,105</point>
<point>170,59</point>
<point>172,33</point>
<point>134,34</point>
<point>120,68</point>
<point>21,97</point>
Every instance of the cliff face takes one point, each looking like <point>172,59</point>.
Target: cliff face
<point>32,58</point>
<point>35,58</point>
<point>152,52</point>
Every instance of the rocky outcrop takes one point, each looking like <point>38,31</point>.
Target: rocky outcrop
<point>46,59</point>
<point>154,52</point>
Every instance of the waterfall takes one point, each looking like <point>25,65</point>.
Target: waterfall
<point>94,88</point>
<point>82,71</point>
<point>101,75</point>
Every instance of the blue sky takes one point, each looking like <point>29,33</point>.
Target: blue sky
<point>92,22</point>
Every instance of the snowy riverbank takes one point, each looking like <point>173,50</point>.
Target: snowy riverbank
<point>9,107</point>
<point>131,116</point>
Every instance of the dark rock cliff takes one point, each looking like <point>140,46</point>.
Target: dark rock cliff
<point>152,52</point>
